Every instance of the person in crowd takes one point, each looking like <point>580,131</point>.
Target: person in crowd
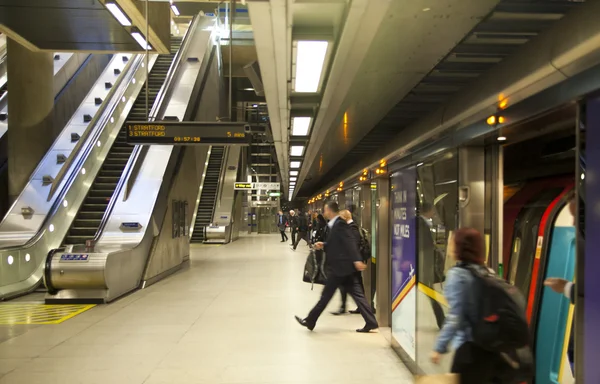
<point>342,262</point>
<point>282,223</point>
<point>474,364</point>
<point>293,223</point>
<point>427,258</point>
<point>347,216</point>
<point>320,228</point>
<point>301,229</point>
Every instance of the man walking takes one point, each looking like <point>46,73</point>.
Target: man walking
<point>281,225</point>
<point>302,229</point>
<point>293,225</point>
<point>342,262</point>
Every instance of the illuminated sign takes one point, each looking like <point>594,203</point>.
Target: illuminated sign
<point>242,186</point>
<point>187,133</point>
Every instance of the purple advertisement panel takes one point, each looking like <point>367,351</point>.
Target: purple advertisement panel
<point>404,253</point>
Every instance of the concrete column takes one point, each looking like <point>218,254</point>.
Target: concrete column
<point>30,112</point>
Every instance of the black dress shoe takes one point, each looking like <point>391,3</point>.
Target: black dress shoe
<point>367,329</point>
<point>304,323</point>
<point>355,312</point>
<point>339,313</point>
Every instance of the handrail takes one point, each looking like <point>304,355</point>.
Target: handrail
<point>72,175</point>
<point>67,164</point>
<point>221,180</point>
<point>138,150</point>
<point>139,154</point>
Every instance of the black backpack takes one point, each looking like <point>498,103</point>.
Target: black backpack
<point>364,246</point>
<point>501,324</point>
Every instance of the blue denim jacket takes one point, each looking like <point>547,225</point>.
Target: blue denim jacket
<point>456,329</point>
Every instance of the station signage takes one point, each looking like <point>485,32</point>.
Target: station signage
<point>256,186</point>
<point>187,133</point>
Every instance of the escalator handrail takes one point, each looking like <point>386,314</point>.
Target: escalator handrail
<point>77,166</point>
<point>84,137</point>
<point>138,150</point>
<point>221,181</point>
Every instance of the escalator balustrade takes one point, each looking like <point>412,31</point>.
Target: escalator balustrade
<point>88,219</point>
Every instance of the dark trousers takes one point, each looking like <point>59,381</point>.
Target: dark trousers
<point>353,287</point>
<point>345,294</point>
<point>478,366</point>
<point>301,236</point>
<point>294,232</point>
<point>283,235</point>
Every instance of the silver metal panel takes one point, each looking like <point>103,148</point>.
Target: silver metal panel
<point>223,210</point>
<point>23,275</point>
<point>471,188</point>
<point>384,256</point>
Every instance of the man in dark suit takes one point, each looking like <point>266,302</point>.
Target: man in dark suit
<point>343,259</point>
<point>281,225</point>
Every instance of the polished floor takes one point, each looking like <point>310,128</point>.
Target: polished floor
<point>228,318</point>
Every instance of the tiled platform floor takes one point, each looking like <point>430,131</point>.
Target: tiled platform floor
<point>228,318</point>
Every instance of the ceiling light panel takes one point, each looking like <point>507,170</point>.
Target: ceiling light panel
<point>294,164</point>
<point>293,173</point>
<point>296,150</point>
<point>310,58</point>
<point>301,126</point>
<point>118,13</point>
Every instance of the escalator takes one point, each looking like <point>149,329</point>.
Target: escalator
<point>208,197</point>
<point>88,219</point>
<point>3,89</point>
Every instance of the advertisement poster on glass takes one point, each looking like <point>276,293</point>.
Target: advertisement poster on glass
<point>403,249</point>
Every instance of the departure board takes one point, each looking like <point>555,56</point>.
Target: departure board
<point>187,133</point>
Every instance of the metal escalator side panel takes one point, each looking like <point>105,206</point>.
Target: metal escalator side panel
<point>49,227</point>
<point>124,253</point>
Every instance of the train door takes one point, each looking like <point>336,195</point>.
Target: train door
<point>555,315</point>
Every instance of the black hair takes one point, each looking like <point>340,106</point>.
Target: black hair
<point>333,206</point>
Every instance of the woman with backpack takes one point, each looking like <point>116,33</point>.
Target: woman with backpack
<point>472,362</point>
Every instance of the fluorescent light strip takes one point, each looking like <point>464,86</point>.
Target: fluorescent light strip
<point>293,178</point>
<point>141,40</point>
<point>310,57</point>
<point>118,14</point>
<point>294,164</point>
<point>300,126</point>
<point>297,150</point>
<point>175,10</point>
<point>293,173</point>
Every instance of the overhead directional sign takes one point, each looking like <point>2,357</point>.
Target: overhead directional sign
<point>255,186</point>
<point>187,133</point>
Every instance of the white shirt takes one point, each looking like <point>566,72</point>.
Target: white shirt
<point>332,222</point>
<point>567,291</point>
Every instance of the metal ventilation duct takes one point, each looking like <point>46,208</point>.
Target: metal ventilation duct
<point>252,71</point>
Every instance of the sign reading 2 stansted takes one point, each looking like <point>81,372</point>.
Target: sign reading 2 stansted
<point>404,254</point>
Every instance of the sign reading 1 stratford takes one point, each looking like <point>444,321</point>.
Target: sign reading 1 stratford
<point>187,133</point>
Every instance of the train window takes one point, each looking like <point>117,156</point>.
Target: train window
<point>526,236</point>
<point>515,258</point>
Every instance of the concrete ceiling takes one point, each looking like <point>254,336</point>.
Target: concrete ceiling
<point>76,25</point>
<point>422,56</point>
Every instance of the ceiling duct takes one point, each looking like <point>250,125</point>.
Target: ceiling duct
<point>252,71</point>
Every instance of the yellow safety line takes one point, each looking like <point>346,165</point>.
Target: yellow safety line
<point>75,313</point>
<point>435,295</point>
<point>565,348</point>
